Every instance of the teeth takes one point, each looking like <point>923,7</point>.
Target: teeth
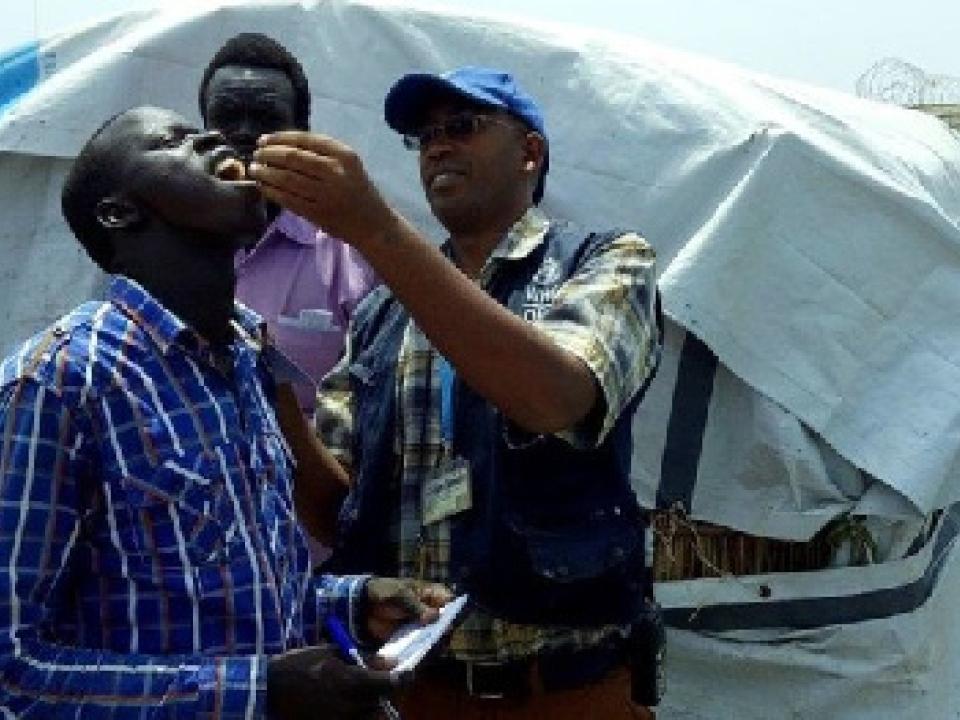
<point>231,170</point>
<point>443,178</point>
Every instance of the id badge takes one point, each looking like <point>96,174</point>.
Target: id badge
<point>446,491</point>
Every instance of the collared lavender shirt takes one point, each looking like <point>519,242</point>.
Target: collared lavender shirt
<point>305,284</point>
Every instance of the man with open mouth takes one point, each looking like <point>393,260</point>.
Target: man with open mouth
<point>152,562</point>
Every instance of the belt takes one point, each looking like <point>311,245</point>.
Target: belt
<point>522,677</point>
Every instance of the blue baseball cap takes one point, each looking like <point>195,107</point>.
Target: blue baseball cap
<point>408,100</point>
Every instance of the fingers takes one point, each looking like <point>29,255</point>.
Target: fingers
<point>295,203</point>
<point>434,594</point>
<point>294,178</point>
<point>297,160</point>
<point>286,179</point>
<point>369,682</point>
<point>305,140</point>
<point>400,598</point>
<point>376,662</point>
<point>410,605</point>
<point>430,598</point>
<point>395,599</point>
<point>322,180</point>
<point>303,680</point>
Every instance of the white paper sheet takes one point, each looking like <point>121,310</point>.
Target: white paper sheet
<point>411,643</point>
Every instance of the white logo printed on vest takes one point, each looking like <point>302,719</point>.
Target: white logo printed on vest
<point>540,293</point>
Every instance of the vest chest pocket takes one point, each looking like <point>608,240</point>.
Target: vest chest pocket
<point>582,551</point>
<point>181,511</point>
<point>580,571</point>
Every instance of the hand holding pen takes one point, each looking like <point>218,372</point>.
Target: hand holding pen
<point>304,682</point>
<point>389,603</point>
<point>314,681</point>
<point>342,639</point>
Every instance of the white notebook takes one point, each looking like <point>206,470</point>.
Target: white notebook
<point>411,642</point>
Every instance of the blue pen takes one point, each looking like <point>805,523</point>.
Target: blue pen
<point>342,639</point>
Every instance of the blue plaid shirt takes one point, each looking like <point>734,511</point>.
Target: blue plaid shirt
<point>149,557</point>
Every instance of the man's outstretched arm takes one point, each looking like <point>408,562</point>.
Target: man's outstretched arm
<point>533,380</point>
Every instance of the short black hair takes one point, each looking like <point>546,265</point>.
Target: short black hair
<point>258,50</point>
<point>94,175</point>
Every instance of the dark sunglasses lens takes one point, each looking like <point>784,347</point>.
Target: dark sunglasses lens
<point>428,134</point>
<point>460,127</point>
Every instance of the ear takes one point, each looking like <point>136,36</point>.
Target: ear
<point>114,213</point>
<point>534,149</point>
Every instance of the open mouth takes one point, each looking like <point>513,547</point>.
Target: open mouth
<point>230,169</point>
<point>444,179</point>
<point>445,174</point>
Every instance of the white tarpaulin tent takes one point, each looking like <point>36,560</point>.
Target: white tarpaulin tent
<point>810,268</point>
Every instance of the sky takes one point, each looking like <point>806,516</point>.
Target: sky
<point>822,42</point>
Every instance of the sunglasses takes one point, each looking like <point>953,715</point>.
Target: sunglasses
<point>458,127</point>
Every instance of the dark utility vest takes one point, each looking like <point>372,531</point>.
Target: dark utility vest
<point>555,535</point>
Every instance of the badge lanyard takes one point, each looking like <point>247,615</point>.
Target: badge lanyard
<point>447,377</point>
<point>446,490</point>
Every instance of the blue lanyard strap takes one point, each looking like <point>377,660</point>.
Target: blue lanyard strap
<point>446,399</point>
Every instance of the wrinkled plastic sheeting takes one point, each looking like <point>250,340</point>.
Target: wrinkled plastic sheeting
<point>807,237</point>
<point>710,446</point>
<point>808,243</point>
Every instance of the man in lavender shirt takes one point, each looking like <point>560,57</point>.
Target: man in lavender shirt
<point>304,283</point>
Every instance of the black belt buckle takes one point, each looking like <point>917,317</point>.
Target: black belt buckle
<point>475,684</point>
<point>559,670</point>
<point>497,680</point>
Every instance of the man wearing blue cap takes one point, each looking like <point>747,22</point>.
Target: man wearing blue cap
<point>484,402</point>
